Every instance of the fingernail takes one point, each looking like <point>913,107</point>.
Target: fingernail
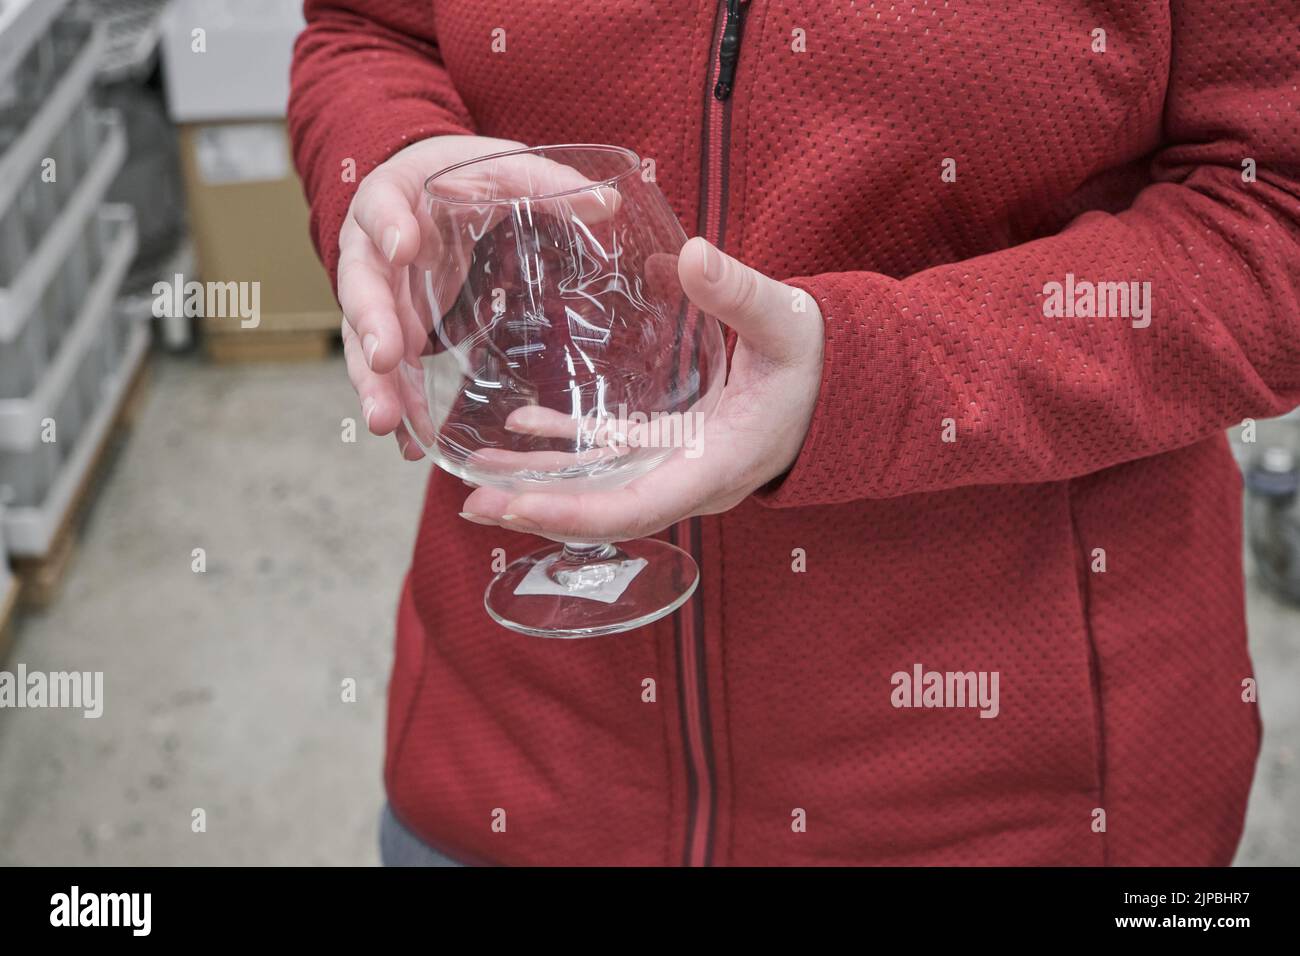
<point>477,519</point>
<point>368,346</point>
<point>520,523</point>
<point>712,263</point>
<point>368,409</point>
<point>392,236</point>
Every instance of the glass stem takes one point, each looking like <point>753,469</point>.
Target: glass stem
<point>584,567</point>
<point>579,553</point>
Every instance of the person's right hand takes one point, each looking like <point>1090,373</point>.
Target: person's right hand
<point>381,237</point>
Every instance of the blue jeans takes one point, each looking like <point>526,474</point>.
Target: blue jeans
<point>398,846</point>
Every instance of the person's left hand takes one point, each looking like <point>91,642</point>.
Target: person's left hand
<point>753,436</point>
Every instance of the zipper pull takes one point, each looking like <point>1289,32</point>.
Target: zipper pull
<point>728,51</point>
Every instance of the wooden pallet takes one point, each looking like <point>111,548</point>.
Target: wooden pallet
<point>299,337</point>
<point>8,614</point>
<point>40,579</point>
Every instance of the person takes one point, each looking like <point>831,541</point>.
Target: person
<point>969,528</point>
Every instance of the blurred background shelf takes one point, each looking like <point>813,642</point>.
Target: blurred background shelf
<point>22,24</point>
<point>94,326</point>
<point>65,229</point>
<point>67,356</point>
<point>134,28</point>
<point>44,536</point>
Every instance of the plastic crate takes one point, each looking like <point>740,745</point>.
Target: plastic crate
<point>113,229</point>
<point>134,27</point>
<point>64,359</point>
<point>26,477</point>
<point>37,309</point>
<point>31,529</point>
<point>38,220</point>
<point>23,23</point>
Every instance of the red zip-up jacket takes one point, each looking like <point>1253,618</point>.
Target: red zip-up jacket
<point>994,481</point>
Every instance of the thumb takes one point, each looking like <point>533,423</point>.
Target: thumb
<point>762,311</point>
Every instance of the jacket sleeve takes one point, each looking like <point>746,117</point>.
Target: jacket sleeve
<point>367,79</point>
<point>1033,398</point>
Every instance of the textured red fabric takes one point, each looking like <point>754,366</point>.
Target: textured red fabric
<point>1119,690</point>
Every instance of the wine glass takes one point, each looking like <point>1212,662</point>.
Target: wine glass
<point>551,348</point>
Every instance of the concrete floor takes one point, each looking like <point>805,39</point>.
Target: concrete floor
<point>224,688</point>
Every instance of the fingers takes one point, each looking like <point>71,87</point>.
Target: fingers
<point>590,431</point>
<point>380,236</point>
<point>507,464</point>
<point>769,315</point>
<point>486,505</point>
<point>678,488</point>
<point>408,384</point>
<point>543,422</point>
<point>409,449</point>
<point>367,299</point>
<point>380,403</point>
<point>523,175</point>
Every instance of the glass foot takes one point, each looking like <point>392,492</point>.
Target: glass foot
<point>590,590</point>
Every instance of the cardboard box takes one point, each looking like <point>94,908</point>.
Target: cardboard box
<point>249,223</point>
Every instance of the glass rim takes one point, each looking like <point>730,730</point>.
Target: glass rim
<point>634,166</point>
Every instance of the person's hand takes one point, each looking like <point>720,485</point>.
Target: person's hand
<point>381,236</point>
<point>753,436</point>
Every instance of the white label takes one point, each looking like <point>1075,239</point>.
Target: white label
<point>606,588</point>
<point>241,153</point>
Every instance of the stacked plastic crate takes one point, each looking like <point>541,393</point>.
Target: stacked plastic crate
<point>66,357</point>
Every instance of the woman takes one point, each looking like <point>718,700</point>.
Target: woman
<point>1054,254</point>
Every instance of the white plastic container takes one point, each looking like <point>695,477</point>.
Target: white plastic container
<point>63,256</point>
<point>26,477</point>
<point>21,416</point>
<point>35,230</point>
<point>30,529</point>
<point>22,24</point>
<point>69,415</point>
<point>23,360</point>
<point>243,71</point>
<point>37,309</point>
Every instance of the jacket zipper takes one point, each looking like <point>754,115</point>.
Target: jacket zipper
<point>701,789</point>
<point>729,50</point>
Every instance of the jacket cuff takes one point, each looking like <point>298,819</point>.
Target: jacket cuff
<point>864,381</point>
